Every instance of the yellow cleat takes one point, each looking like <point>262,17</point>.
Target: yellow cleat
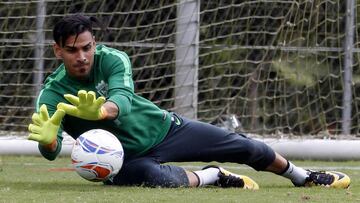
<point>331,179</point>
<point>228,179</point>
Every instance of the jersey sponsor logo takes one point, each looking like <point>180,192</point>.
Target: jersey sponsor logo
<point>102,88</point>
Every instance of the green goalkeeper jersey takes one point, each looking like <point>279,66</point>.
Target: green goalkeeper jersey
<point>140,124</point>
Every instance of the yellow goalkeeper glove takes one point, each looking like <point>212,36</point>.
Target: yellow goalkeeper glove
<point>84,106</point>
<point>44,129</point>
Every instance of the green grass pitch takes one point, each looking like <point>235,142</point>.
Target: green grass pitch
<point>34,179</point>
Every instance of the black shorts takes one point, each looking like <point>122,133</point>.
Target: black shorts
<point>191,141</point>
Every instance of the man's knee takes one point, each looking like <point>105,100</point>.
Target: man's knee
<point>147,172</point>
<point>260,155</point>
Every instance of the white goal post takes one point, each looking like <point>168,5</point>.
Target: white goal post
<point>299,149</point>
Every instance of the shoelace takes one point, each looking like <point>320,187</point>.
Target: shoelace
<point>230,181</point>
<point>321,178</point>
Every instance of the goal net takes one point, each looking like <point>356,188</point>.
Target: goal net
<point>275,66</point>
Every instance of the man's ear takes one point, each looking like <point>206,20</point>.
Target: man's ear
<point>57,51</point>
<point>94,41</point>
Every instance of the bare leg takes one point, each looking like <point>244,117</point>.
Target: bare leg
<point>279,164</point>
<point>193,180</point>
<point>288,170</point>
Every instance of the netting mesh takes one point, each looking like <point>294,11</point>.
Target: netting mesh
<point>276,65</point>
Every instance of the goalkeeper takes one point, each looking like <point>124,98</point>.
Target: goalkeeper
<point>93,88</point>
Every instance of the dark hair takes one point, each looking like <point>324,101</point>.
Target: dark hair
<point>73,25</point>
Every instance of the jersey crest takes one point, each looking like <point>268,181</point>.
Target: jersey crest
<point>102,88</point>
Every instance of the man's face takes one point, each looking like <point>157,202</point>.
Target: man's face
<point>77,54</point>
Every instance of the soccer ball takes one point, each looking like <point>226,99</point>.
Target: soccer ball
<point>97,155</point>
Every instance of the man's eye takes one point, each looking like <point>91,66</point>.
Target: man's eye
<point>87,48</point>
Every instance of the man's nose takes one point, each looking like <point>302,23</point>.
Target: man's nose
<point>82,57</point>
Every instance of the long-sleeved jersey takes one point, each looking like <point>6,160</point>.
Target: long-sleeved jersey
<point>140,124</point>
